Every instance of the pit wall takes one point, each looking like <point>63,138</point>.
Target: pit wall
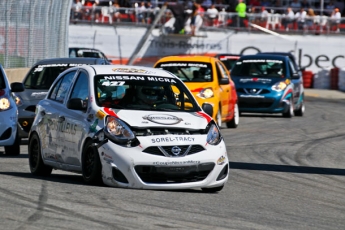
<point>16,75</point>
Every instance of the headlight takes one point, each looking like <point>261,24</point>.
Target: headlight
<point>279,86</point>
<point>18,100</point>
<point>4,103</point>
<point>213,135</point>
<point>117,131</point>
<point>206,93</point>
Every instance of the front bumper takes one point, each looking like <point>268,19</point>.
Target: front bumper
<point>8,126</point>
<point>145,167</point>
<point>272,103</point>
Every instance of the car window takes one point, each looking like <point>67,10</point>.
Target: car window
<point>60,89</point>
<point>189,71</point>
<point>81,87</point>
<point>292,68</point>
<point>222,70</point>
<point>2,81</point>
<point>258,67</point>
<point>43,76</point>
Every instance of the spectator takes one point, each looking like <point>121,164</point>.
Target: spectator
<point>77,10</point>
<point>115,9</point>
<point>295,4</point>
<point>177,10</point>
<point>241,12</point>
<point>288,18</point>
<point>329,8</point>
<point>96,10</point>
<point>310,18</point>
<point>141,12</point>
<point>195,12</point>
<point>340,5</point>
<point>254,3</point>
<point>335,19</point>
<point>265,3</point>
<point>300,18</point>
<point>212,14</point>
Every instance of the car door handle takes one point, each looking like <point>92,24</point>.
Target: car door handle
<point>61,118</point>
<point>43,113</point>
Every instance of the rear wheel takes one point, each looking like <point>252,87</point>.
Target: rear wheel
<point>212,190</point>
<point>219,118</point>
<point>235,120</point>
<point>300,111</point>
<point>91,165</point>
<point>14,149</point>
<point>37,166</point>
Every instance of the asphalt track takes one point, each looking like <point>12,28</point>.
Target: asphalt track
<point>285,174</point>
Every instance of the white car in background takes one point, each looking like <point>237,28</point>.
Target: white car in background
<point>9,114</point>
<point>127,126</point>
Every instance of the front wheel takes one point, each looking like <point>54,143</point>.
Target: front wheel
<point>235,120</point>
<point>91,165</point>
<point>212,190</point>
<point>37,166</point>
<point>14,150</point>
<point>290,112</point>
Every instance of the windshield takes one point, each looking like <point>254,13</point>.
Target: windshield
<point>189,71</point>
<point>42,76</point>
<point>259,68</point>
<point>143,93</point>
<point>86,53</point>
<point>229,63</point>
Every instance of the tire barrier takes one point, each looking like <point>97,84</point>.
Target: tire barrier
<point>322,79</point>
<point>307,78</point>
<point>341,82</point>
<point>334,77</point>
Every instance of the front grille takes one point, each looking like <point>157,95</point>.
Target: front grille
<point>165,131</point>
<point>167,150</point>
<point>249,91</point>
<point>31,108</point>
<point>7,134</point>
<point>255,102</point>
<point>26,123</point>
<point>173,174</point>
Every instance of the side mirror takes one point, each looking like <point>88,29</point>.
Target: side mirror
<point>17,87</point>
<point>208,108</point>
<point>224,81</point>
<point>295,76</point>
<point>76,104</point>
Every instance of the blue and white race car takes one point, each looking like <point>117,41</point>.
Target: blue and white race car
<point>128,126</point>
<point>268,83</point>
<point>9,115</point>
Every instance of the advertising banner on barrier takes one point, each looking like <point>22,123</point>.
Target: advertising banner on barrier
<point>311,51</point>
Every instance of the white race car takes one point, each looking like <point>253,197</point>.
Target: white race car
<point>9,115</point>
<point>127,126</point>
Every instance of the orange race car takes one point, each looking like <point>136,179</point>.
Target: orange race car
<point>209,81</point>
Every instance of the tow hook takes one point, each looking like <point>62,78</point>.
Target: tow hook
<point>99,139</point>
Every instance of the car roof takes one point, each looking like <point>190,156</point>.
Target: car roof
<point>280,53</point>
<point>79,60</point>
<point>228,55</point>
<point>132,70</point>
<point>197,58</point>
<point>258,56</point>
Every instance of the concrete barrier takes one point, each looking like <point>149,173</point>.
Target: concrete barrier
<point>16,75</point>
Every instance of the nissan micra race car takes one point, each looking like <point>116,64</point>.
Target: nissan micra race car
<point>127,126</point>
<point>9,115</point>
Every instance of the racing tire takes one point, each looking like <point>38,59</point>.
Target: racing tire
<point>233,123</point>
<point>14,150</point>
<point>91,165</point>
<point>37,166</point>
<point>290,113</point>
<point>219,118</point>
<point>212,190</point>
<point>300,112</point>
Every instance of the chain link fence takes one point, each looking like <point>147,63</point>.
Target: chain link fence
<point>31,30</point>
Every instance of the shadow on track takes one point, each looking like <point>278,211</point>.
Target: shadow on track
<point>287,168</point>
<point>3,155</point>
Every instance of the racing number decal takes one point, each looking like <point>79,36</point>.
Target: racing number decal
<point>113,83</point>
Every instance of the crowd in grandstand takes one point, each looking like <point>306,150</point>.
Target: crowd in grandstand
<point>273,14</point>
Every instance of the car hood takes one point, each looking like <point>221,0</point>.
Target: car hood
<point>259,82</point>
<point>32,94</point>
<point>143,118</point>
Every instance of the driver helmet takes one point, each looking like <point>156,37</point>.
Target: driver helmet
<point>149,94</point>
<point>275,69</point>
